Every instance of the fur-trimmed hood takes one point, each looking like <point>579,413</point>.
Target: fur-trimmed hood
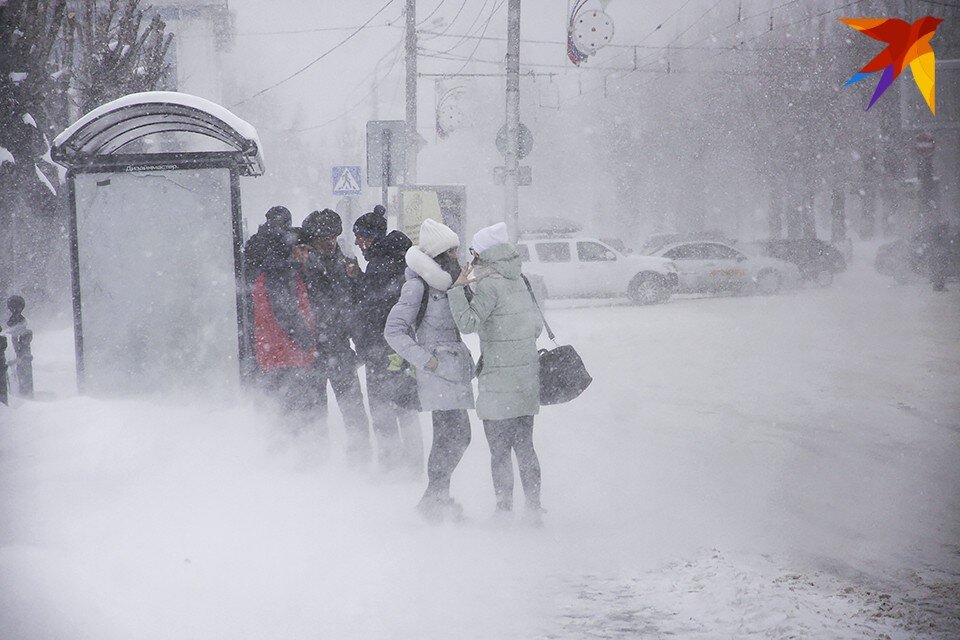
<point>421,265</point>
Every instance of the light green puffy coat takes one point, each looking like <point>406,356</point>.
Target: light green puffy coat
<point>508,323</point>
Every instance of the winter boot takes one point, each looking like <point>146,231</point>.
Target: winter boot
<point>533,517</point>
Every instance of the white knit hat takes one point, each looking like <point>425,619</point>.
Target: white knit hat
<point>436,237</point>
<point>490,237</point>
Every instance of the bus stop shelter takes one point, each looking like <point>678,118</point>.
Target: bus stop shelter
<point>156,243</point>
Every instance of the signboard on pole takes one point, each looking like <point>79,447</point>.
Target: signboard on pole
<point>524,137</point>
<point>924,144</point>
<point>524,175</point>
<point>386,152</point>
<point>443,203</point>
<point>346,181</point>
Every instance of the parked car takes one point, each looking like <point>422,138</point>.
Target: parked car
<point>910,259</point>
<point>587,267</point>
<point>660,240</point>
<point>817,260</point>
<point>715,266</point>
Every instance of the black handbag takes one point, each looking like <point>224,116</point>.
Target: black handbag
<point>563,376</point>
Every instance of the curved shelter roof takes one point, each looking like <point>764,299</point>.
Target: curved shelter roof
<point>110,131</point>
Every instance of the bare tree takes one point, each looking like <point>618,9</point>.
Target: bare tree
<point>29,32</point>
<point>119,55</point>
<point>58,58</point>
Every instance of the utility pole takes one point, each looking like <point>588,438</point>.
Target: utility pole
<point>413,138</point>
<point>512,160</point>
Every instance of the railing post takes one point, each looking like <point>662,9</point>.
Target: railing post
<point>3,370</point>
<point>24,363</point>
<point>21,336</point>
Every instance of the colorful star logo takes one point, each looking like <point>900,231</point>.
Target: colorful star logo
<point>907,44</point>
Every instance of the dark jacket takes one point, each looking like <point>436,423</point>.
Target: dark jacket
<point>283,333</point>
<point>333,298</point>
<point>377,290</point>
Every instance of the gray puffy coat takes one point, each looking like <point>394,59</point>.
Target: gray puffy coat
<point>449,386</point>
<point>508,323</point>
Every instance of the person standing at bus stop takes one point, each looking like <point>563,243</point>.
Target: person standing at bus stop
<point>333,298</point>
<point>502,312</point>
<point>391,392</point>
<point>421,329</point>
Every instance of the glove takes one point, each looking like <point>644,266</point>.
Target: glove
<point>396,362</point>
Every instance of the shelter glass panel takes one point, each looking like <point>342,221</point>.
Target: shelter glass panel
<point>157,281</point>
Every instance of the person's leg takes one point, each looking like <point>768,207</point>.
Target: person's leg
<point>451,436</point>
<point>411,436</point>
<point>346,386</point>
<point>299,396</point>
<point>315,388</point>
<point>527,461</point>
<point>500,437</point>
<point>383,416</point>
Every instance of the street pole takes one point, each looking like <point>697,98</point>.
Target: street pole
<point>512,160</point>
<point>413,146</point>
<point>386,171</point>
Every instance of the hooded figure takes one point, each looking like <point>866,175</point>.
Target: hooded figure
<point>392,394</point>
<point>501,310</point>
<point>421,329</point>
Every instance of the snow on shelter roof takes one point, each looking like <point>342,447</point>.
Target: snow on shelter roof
<point>106,130</point>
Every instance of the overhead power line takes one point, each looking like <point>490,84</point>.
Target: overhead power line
<point>665,21</point>
<point>440,55</point>
<point>320,57</point>
<point>450,24</point>
<point>432,13</point>
<point>778,28</point>
<point>470,30</point>
<point>949,5</point>
<point>486,25</point>
<point>726,50</point>
<point>297,31</point>
<point>359,102</point>
<point>690,26</point>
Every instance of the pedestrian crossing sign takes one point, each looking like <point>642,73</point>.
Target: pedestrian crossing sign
<point>346,181</point>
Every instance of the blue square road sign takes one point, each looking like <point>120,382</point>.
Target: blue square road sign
<point>346,181</point>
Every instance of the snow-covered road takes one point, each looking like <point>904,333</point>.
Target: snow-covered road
<point>776,467</point>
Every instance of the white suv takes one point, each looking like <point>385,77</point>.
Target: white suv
<point>586,267</point>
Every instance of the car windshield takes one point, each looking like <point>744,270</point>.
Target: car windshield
<point>654,243</point>
<point>751,248</point>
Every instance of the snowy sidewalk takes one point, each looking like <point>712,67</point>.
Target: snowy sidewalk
<point>773,467</point>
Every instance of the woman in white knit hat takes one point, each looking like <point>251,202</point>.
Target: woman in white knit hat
<point>500,310</point>
<point>421,329</point>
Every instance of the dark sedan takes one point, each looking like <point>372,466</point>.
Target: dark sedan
<point>931,254</point>
<point>818,261</point>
